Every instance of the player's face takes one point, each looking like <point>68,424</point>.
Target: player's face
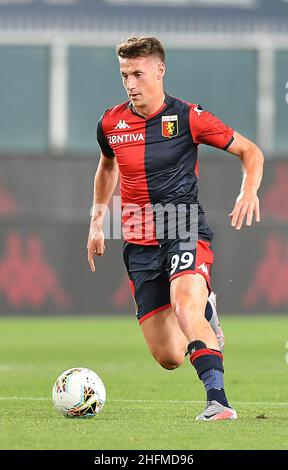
<point>142,78</point>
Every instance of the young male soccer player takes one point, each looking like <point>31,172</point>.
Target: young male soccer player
<point>152,141</point>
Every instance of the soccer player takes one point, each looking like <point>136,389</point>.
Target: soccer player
<point>152,141</point>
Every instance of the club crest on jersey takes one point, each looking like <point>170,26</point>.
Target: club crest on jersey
<point>170,126</point>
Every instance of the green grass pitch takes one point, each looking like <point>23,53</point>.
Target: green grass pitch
<point>147,407</point>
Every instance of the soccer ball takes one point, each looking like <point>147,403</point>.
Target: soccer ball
<point>79,392</point>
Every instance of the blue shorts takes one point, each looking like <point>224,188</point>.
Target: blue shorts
<point>151,268</point>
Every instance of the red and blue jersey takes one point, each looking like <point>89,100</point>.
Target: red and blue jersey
<point>157,160</point>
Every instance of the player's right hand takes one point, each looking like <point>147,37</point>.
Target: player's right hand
<point>95,244</point>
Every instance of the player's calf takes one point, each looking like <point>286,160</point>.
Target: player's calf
<point>212,317</point>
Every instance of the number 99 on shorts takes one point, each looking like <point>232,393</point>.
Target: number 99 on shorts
<point>183,262</point>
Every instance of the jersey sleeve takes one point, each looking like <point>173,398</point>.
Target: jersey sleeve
<point>207,129</point>
<point>102,140</point>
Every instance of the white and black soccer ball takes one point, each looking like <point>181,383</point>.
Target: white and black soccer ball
<point>79,392</point>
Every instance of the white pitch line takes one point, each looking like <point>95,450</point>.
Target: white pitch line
<point>260,403</point>
<point>191,402</point>
<point>25,398</point>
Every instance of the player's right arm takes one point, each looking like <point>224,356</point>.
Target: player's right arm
<point>105,182</point>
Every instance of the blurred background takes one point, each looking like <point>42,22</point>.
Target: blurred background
<point>59,73</point>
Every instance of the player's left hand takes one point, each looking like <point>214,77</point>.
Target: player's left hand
<point>247,204</point>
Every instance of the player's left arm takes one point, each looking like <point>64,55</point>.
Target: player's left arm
<point>247,203</point>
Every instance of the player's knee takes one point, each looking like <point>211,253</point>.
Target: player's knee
<point>190,307</point>
<point>170,362</point>
<point>184,305</point>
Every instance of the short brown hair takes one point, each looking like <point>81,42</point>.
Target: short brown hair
<point>140,46</point>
